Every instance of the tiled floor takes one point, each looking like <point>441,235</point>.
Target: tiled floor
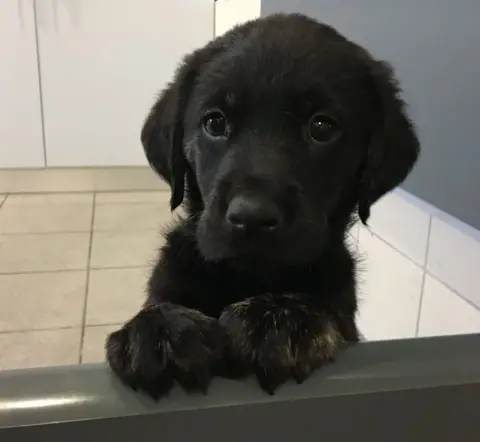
<point>73,267</point>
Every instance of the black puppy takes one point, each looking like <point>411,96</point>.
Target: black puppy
<point>275,136</point>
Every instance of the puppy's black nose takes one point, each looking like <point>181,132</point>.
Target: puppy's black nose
<point>253,214</point>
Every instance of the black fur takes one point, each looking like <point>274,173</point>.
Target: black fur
<point>279,303</point>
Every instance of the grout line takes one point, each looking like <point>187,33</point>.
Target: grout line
<point>455,292</point>
<point>424,278</point>
<point>40,203</point>
<point>36,272</point>
<point>40,329</point>
<point>49,192</point>
<point>127,191</point>
<point>395,248</point>
<point>72,232</point>
<point>134,203</point>
<point>452,220</point>
<point>214,18</point>
<point>5,196</point>
<point>57,232</point>
<point>40,89</point>
<point>87,284</point>
<point>143,266</point>
<point>107,324</point>
<point>83,192</point>
<point>424,267</point>
<point>61,328</point>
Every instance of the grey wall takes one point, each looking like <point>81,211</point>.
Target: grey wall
<point>435,47</point>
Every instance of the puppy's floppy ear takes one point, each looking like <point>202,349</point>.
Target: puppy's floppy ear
<point>393,149</point>
<point>162,133</point>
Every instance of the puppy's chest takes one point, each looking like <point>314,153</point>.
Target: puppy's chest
<point>228,287</point>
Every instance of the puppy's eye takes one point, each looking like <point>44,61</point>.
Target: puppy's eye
<point>323,129</point>
<point>215,124</point>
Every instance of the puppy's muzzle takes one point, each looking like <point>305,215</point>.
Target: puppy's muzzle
<point>253,214</point>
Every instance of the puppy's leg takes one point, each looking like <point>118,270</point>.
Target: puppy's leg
<point>170,339</point>
<point>164,343</point>
<point>278,337</point>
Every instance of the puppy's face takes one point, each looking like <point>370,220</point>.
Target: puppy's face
<point>277,131</point>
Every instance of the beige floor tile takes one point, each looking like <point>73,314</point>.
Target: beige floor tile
<point>131,217</point>
<point>44,218</point>
<point>50,198</point>
<point>39,348</point>
<point>41,300</point>
<point>2,199</point>
<point>115,295</point>
<point>152,197</point>
<point>45,252</point>
<point>127,179</point>
<point>124,249</point>
<point>94,343</point>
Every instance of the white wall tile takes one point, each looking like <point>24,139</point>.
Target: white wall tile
<point>445,313</point>
<point>389,290</point>
<point>454,258</point>
<point>402,224</point>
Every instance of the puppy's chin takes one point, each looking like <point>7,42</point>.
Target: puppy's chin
<point>216,242</point>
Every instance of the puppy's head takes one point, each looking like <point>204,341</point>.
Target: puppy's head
<point>278,132</point>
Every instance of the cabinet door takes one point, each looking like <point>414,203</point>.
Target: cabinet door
<point>102,64</point>
<point>21,139</point>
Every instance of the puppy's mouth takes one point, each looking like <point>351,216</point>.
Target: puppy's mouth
<point>293,245</point>
<point>267,242</point>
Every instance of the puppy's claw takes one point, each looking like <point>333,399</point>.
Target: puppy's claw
<point>270,390</point>
<point>301,372</point>
<point>270,382</point>
<point>299,379</point>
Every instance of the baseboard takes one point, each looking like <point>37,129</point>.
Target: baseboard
<point>463,227</point>
<point>101,179</point>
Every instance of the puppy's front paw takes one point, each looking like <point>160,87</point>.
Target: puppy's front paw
<point>163,344</point>
<point>279,337</point>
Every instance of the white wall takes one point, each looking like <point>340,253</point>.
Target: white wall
<point>229,13</point>
<point>419,271</point>
<point>21,136</point>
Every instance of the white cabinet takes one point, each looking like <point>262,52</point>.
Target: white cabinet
<point>229,13</point>
<point>102,64</point>
<point>21,139</point>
